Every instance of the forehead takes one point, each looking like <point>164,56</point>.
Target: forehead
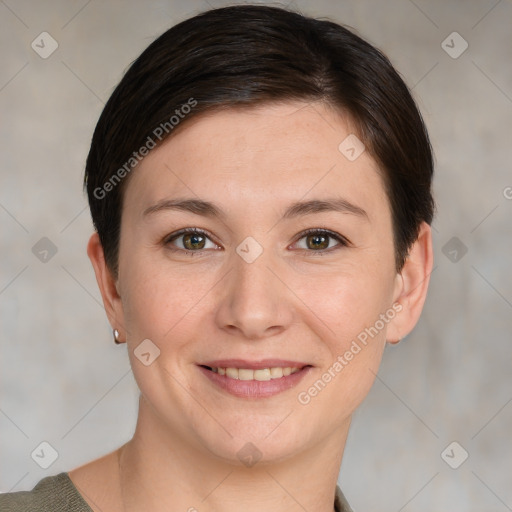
<point>254,156</point>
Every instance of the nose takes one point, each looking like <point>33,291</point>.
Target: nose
<point>255,302</point>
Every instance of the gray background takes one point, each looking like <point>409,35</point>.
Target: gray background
<point>65,382</point>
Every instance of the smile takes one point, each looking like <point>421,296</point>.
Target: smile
<point>264,374</point>
<point>257,382</point>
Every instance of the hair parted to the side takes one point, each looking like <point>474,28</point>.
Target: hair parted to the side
<point>246,55</point>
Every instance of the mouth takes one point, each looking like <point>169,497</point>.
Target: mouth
<point>261,374</point>
<point>254,379</point>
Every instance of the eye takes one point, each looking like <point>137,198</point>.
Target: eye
<point>192,240</point>
<point>317,240</point>
<point>195,240</point>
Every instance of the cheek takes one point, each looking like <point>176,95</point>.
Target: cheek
<point>153,304</point>
<point>354,335</point>
<point>162,301</point>
<point>349,301</point>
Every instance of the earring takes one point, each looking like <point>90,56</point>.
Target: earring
<point>115,332</point>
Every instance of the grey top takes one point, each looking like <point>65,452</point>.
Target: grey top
<point>58,494</point>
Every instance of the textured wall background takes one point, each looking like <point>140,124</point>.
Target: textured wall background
<point>64,381</point>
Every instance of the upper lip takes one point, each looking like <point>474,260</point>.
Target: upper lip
<point>254,365</point>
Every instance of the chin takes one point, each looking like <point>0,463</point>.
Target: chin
<point>248,449</point>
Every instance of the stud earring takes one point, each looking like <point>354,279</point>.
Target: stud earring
<point>115,332</point>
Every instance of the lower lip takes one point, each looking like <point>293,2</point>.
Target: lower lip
<point>255,388</point>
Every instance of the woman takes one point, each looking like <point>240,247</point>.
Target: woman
<point>260,186</point>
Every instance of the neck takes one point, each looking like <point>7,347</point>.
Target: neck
<point>160,471</point>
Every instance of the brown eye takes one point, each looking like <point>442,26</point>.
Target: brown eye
<point>319,241</point>
<point>193,241</point>
<point>189,241</point>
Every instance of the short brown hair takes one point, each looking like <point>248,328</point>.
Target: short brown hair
<point>251,54</point>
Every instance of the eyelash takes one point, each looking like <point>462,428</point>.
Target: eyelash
<point>343,242</point>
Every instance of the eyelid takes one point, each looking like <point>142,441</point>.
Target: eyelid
<point>186,231</point>
<point>342,241</point>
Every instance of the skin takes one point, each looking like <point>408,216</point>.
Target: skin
<point>290,303</point>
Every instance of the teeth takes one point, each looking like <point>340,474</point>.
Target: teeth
<point>262,374</point>
<point>232,373</point>
<point>244,374</point>
<point>276,373</point>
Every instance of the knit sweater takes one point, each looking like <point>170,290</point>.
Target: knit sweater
<point>58,494</point>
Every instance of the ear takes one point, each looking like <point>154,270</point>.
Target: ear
<point>412,285</point>
<point>107,285</point>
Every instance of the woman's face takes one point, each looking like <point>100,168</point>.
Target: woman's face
<point>251,290</point>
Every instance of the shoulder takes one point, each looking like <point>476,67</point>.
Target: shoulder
<point>340,502</point>
<point>51,494</point>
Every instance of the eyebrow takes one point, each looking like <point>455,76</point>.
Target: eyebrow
<point>299,208</point>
